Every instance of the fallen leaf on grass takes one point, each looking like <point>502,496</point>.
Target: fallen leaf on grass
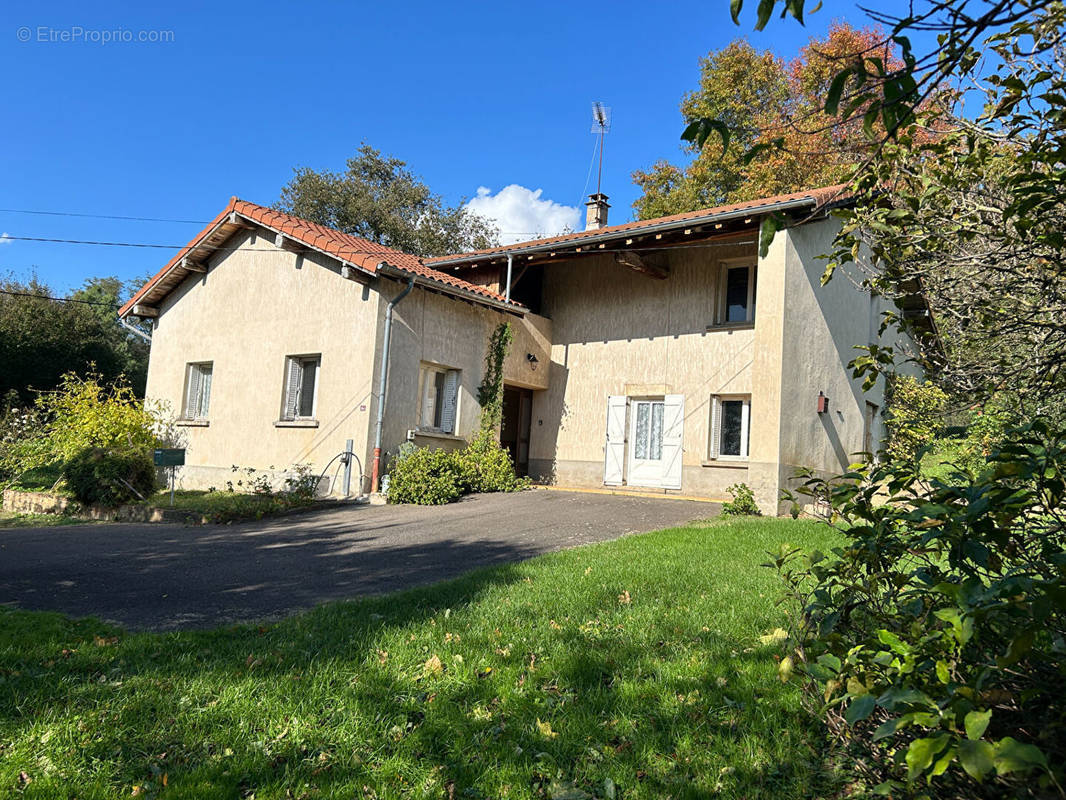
<point>624,598</point>
<point>24,780</point>
<point>545,729</point>
<point>433,666</point>
<point>101,641</point>
<point>565,790</point>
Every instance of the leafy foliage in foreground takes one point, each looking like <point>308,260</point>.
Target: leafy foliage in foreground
<point>939,629</point>
<point>634,665</point>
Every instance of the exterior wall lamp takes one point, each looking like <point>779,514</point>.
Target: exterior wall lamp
<point>823,403</point>
<point>533,361</point>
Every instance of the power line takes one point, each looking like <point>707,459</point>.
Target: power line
<point>61,299</point>
<point>168,219</point>
<point>100,216</point>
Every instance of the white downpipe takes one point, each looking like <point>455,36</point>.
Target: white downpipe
<point>137,331</point>
<point>507,293</point>
<point>375,475</point>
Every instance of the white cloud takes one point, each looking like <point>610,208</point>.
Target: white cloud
<point>521,213</point>
<point>5,238</point>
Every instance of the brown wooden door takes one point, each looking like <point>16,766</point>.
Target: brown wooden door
<point>517,420</point>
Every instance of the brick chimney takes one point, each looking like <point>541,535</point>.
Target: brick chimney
<point>596,212</point>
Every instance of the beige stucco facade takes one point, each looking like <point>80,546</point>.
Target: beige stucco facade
<point>605,330</point>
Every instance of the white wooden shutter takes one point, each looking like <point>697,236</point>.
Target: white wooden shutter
<point>205,391</point>
<point>192,391</point>
<point>716,427</point>
<point>450,401</point>
<point>615,451</point>
<point>673,437</point>
<point>292,389</point>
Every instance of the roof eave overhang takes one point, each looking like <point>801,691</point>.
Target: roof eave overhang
<point>564,247</point>
<point>227,217</point>
<point>388,270</point>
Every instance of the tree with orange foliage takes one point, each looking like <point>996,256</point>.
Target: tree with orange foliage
<point>764,104</point>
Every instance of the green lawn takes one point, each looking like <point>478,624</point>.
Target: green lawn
<point>630,669</point>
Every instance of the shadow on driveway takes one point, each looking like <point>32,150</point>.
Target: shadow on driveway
<point>164,577</point>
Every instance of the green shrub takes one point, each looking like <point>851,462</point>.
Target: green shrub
<point>424,477</point>
<point>485,466</point>
<point>915,415</point>
<point>743,503</point>
<point>934,639</point>
<point>96,476</point>
<point>434,477</point>
<point>82,413</point>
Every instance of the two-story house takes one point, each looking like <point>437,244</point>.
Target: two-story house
<point>663,355</point>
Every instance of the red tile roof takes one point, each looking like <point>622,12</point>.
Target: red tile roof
<point>358,252</point>
<point>817,197</point>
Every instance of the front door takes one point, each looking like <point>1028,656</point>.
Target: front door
<point>646,442</point>
<point>515,426</point>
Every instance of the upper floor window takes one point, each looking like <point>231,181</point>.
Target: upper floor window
<point>197,390</point>
<point>736,296</point>
<point>439,392</point>
<point>301,387</point>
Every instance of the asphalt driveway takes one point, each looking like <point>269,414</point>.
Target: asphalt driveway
<point>163,577</point>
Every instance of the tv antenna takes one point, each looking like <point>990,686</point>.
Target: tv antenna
<point>601,124</point>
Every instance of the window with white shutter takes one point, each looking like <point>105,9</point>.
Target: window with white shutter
<point>439,399</point>
<point>197,391</point>
<point>301,387</point>
<point>730,429</point>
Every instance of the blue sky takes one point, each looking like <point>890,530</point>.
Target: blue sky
<point>469,94</point>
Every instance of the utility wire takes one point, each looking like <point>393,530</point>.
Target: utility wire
<point>167,219</point>
<point>503,251</point>
<point>100,216</point>
<point>61,299</point>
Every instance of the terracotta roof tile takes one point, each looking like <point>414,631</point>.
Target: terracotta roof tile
<point>361,253</point>
<point>819,197</point>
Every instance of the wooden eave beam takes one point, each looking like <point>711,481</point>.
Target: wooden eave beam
<point>192,266</point>
<point>140,310</point>
<point>284,242</point>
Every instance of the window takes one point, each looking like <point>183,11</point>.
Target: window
<point>736,297</point>
<point>648,430</point>
<point>439,392</point>
<point>197,390</point>
<point>301,387</point>
<point>730,427</point>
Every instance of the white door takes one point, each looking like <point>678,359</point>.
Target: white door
<point>673,435</point>
<point>615,451</point>
<point>646,465</point>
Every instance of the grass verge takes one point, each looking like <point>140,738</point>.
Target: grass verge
<point>10,519</point>
<point>223,506</point>
<point>627,669</point>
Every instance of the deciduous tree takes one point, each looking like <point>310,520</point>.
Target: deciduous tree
<point>378,198</point>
